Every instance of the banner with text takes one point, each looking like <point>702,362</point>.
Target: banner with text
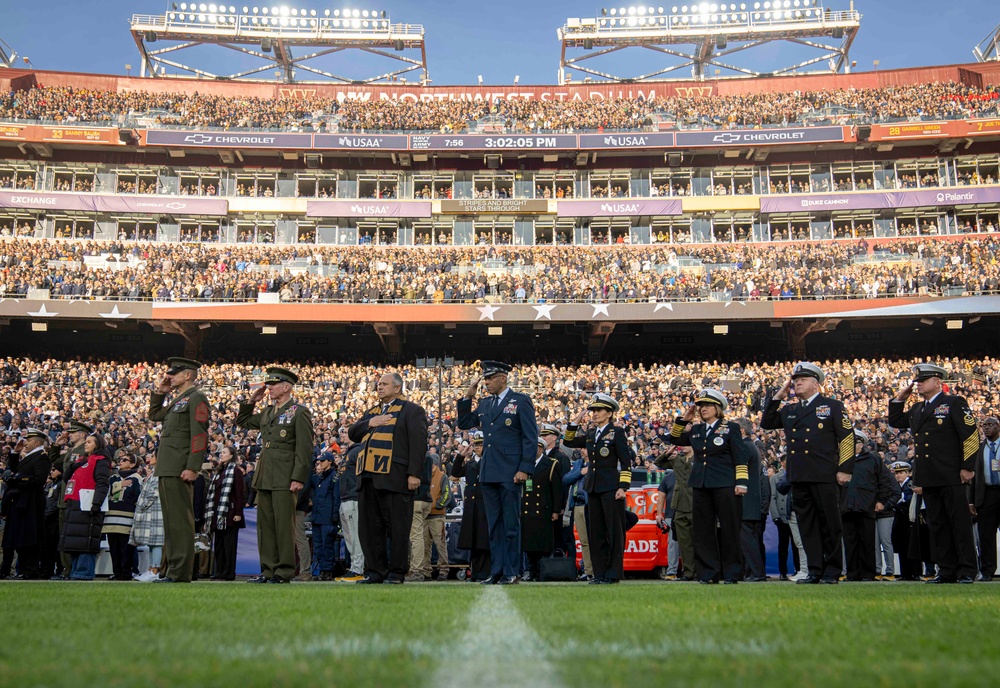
<point>390,142</point>
<point>369,208</point>
<point>761,137</point>
<point>173,205</point>
<point>618,207</point>
<point>881,200</point>
<point>227,139</point>
<point>494,206</point>
<point>479,142</point>
<point>626,141</point>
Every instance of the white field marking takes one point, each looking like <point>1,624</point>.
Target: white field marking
<point>502,647</point>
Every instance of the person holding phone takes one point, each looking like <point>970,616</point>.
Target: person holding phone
<point>820,440</point>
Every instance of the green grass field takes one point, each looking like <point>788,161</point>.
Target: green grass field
<point>437,635</point>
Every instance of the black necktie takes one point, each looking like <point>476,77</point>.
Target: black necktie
<point>385,409</point>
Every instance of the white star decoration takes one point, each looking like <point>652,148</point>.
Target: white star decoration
<point>42,313</point>
<point>668,306</point>
<point>544,312</point>
<point>600,308</point>
<point>115,314</point>
<point>487,311</point>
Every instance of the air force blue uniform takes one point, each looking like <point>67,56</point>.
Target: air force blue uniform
<point>510,445</point>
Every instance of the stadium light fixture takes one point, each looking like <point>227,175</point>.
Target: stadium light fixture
<point>720,329</point>
<point>953,324</point>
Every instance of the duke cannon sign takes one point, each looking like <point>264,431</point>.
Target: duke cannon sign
<point>968,195</point>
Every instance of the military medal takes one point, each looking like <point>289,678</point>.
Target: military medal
<point>507,422</point>
<point>605,451</point>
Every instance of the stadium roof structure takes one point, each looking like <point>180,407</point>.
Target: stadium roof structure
<point>988,49</point>
<point>272,34</point>
<point>7,54</point>
<point>703,35</point>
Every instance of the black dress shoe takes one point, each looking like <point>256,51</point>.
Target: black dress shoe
<point>584,578</point>
<point>57,578</point>
<point>829,580</point>
<point>492,580</point>
<point>730,581</point>
<point>527,578</point>
<point>782,577</point>
<point>964,580</point>
<point>393,581</point>
<point>164,580</point>
<point>758,579</point>
<point>595,581</point>
<point>257,579</point>
<point>507,580</point>
<point>809,580</point>
<point>19,576</point>
<point>985,578</point>
<point>867,580</point>
<point>277,580</point>
<point>938,580</point>
<point>369,580</point>
<point>710,581</point>
<point>610,581</point>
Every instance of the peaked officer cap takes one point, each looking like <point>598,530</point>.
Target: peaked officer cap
<point>603,401</point>
<point>925,371</point>
<point>806,369</point>
<point>275,375</point>
<point>712,396</point>
<point>491,368</point>
<point>177,364</point>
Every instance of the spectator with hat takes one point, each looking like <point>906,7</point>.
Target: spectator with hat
<point>124,493</point>
<point>719,477</point>
<point>510,447</point>
<point>224,512</point>
<point>867,494</point>
<point>67,448</point>
<point>286,437</point>
<point>909,567</point>
<point>947,446</point>
<point>609,477</point>
<point>576,504</point>
<point>180,455</point>
<point>391,463</point>
<point>474,532</point>
<point>820,456</point>
<point>87,485</point>
<point>347,492</point>
<point>23,507</point>
<point>540,508</point>
<point>562,526</point>
<point>325,515</point>
<point>986,498</point>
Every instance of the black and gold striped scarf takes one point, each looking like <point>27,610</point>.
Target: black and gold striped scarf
<point>377,455</point>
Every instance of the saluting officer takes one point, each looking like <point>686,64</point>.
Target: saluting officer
<point>946,445</point>
<point>179,457</point>
<point>510,446</point>
<point>820,440</point>
<point>75,437</point>
<point>608,478</point>
<point>719,477</point>
<point>286,435</point>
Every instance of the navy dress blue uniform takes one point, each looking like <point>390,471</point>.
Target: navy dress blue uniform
<point>510,444</point>
<point>720,465</point>
<point>474,535</point>
<point>946,442</point>
<point>610,470</point>
<point>542,499</point>
<point>820,440</point>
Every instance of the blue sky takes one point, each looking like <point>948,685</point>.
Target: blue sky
<point>496,39</point>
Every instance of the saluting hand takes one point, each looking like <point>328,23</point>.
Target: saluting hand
<point>578,418</point>
<point>258,394</point>
<point>63,439</point>
<point>473,388</point>
<point>786,389</point>
<point>163,386</point>
<point>689,413</point>
<point>905,393</point>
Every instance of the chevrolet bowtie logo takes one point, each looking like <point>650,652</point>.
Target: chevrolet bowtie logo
<point>175,205</point>
<point>727,138</point>
<point>199,138</point>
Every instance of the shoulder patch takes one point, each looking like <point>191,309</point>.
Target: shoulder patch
<point>201,414</point>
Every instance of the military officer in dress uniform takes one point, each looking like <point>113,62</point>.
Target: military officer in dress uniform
<point>286,435</point>
<point>541,508</point>
<point>74,437</point>
<point>820,440</point>
<point>179,457</point>
<point>946,446</point>
<point>510,446</point>
<point>909,568</point>
<point>608,478</point>
<point>564,539</point>
<point>719,478</point>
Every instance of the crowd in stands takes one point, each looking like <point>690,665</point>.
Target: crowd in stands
<point>174,272</point>
<point>931,101</point>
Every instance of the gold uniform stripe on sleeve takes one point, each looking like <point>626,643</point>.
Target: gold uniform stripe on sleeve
<point>571,434</point>
<point>676,430</point>
<point>971,446</point>
<point>742,473</point>
<point>625,477</point>
<point>847,423</point>
<point>846,450</point>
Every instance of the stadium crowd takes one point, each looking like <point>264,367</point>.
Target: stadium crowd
<point>111,397</point>
<point>932,101</point>
<point>172,272</point>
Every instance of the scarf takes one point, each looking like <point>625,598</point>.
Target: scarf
<point>220,514</point>
<point>377,455</point>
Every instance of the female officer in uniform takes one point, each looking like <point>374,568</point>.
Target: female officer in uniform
<point>607,479</point>
<point>718,478</point>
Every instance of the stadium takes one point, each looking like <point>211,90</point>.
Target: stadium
<point>708,223</point>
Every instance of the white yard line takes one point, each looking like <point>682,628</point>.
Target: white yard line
<point>499,647</point>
